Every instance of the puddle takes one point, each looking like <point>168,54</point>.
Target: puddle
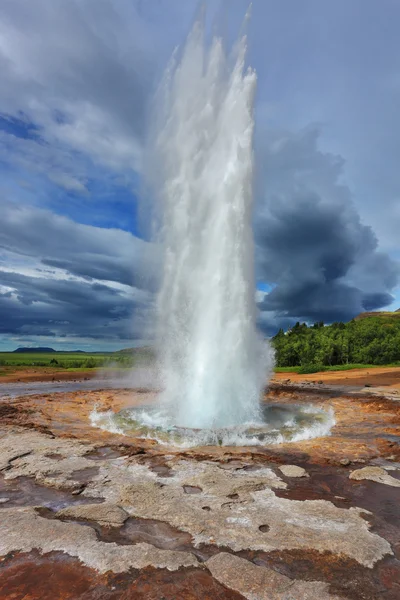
<point>84,475</point>
<point>103,453</point>
<point>136,531</point>
<point>24,491</point>
<point>192,489</point>
<point>162,470</point>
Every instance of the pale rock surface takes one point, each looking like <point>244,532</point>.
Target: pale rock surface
<point>229,511</point>
<point>376,474</point>
<point>293,471</point>
<point>262,583</point>
<point>233,506</point>
<point>105,514</point>
<point>29,454</point>
<point>24,530</point>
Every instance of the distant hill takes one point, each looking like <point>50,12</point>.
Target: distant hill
<point>380,314</point>
<point>138,350</point>
<point>35,350</point>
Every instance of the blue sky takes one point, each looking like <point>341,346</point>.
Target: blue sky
<point>77,81</point>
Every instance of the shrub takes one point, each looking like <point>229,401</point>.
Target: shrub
<point>311,369</point>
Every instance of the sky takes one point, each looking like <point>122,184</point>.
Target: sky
<point>77,81</point>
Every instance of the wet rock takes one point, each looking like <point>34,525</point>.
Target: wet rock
<point>186,584</point>
<point>84,475</point>
<point>374,474</point>
<point>294,524</point>
<point>24,530</point>
<point>211,479</point>
<point>345,577</point>
<point>25,491</point>
<point>293,471</point>
<point>30,454</point>
<point>55,576</point>
<point>262,583</point>
<point>105,514</point>
<point>255,521</point>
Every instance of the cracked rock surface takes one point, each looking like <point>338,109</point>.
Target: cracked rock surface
<point>103,516</point>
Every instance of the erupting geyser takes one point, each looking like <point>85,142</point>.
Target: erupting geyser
<point>212,361</point>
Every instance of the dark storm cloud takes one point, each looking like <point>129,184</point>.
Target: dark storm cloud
<point>311,245</point>
<point>82,250</point>
<point>51,307</point>
<point>82,296</point>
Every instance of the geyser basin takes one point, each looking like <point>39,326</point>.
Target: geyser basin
<point>279,423</point>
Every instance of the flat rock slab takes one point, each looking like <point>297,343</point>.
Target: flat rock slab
<point>262,583</point>
<point>293,471</point>
<point>239,522</point>
<point>24,530</point>
<point>104,514</point>
<point>374,474</point>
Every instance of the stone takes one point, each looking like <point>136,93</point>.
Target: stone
<point>376,474</point>
<point>235,523</point>
<point>105,514</point>
<point>29,455</point>
<point>262,583</point>
<point>345,462</point>
<point>24,530</point>
<point>293,471</point>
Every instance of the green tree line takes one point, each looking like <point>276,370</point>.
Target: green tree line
<point>372,340</point>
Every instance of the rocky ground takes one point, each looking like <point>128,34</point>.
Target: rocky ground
<point>87,514</point>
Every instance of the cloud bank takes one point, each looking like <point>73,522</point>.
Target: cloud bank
<point>77,80</point>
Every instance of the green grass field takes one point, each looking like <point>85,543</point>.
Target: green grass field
<point>78,361</point>
<point>64,360</point>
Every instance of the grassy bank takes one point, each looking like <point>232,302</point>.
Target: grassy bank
<point>71,361</point>
<point>321,368</point>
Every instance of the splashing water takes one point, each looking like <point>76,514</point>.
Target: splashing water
<point>213,365</point>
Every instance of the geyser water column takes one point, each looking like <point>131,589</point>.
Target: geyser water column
<point>212,362</point>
